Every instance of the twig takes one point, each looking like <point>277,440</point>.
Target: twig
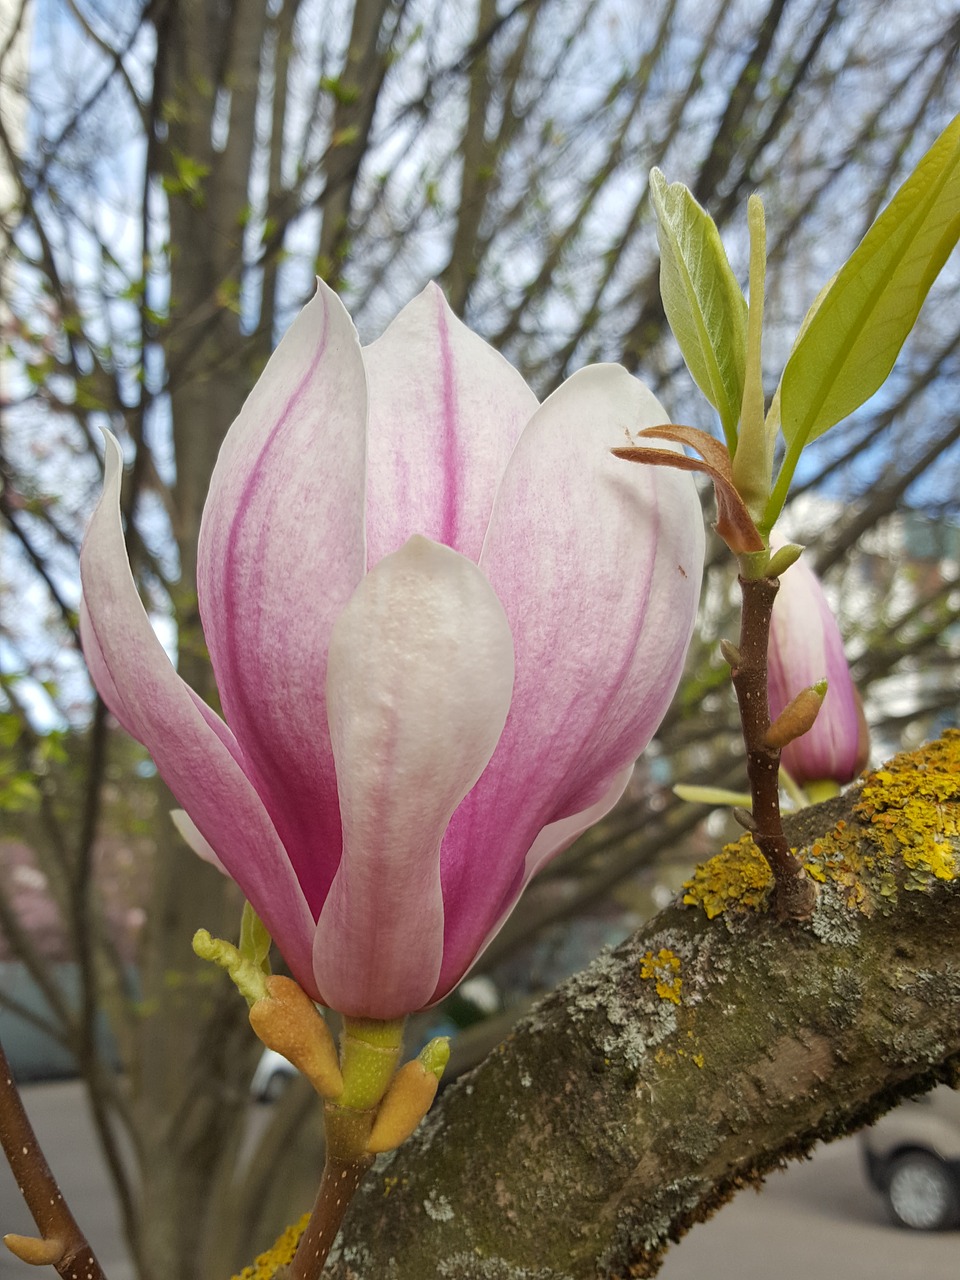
<point>62,1244</point>
<point>339,1184</point>
<point>794,892</point>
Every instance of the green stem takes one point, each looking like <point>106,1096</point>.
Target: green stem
<point>780,490</point>
<point>824,789</point>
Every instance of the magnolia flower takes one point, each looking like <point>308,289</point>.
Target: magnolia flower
<point>443,621</point>
<point>806,647</point>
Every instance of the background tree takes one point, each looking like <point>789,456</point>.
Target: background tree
<point>180,171</point>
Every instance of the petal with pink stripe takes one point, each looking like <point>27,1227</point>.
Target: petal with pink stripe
<point>281,551</point>
<point>158,709</point>
<point>445,413</point>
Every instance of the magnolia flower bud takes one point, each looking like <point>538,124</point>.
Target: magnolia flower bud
<point>805,649</point>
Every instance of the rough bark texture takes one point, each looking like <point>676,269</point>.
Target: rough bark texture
<point>702,1053</point>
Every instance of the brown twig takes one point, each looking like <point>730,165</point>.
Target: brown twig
<point>339,1184</point>
<point>794,891</point>
<point>62,1244</point>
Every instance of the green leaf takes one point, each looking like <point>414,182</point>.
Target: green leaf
<point>753,463</point>
<point>702,299</point>
<point>254,939</point>
<point>855,334</point>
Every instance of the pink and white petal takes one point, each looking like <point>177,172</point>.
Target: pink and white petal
<point>598,564</point>
<point>560,835</point>
<point>806,646</point>
<point>155,706</point>
<point>445,413</point>
<point>281,550</point>
<point>551,841</point>
<point>418,688</point>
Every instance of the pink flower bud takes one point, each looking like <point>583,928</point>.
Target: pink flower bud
<point>805,647</point>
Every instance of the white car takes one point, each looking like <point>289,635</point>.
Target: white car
<point>271,1077</point>
<point>912,1157</point>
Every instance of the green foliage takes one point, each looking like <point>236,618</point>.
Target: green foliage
<point>702,299</point>
<point>849,339</point>
<point>254,939</point>
<point>345,94</point>
<point>24,759</point>
<point>187,178</point>
<point>852,340</point>
<point>753,461</point>
<point>853,335</point>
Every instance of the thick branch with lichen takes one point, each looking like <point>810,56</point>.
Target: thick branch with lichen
<point>706,1050</point>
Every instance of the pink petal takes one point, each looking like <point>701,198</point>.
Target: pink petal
<point>445,413</point>
<point>560,835</point>
<point>806,646</point>
<point>418,687</point>
<point>281,550</point>
<point>551,841</point>
<point>598,564</point>
<point>139,684</point>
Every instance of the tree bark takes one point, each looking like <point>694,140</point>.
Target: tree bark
<point>699,1055</point>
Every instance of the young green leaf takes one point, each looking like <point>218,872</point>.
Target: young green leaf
<point>856,333</point>
<point>753,462</point>
<point>702,299</point>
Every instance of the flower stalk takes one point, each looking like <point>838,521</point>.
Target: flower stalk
<point>369,1052</point>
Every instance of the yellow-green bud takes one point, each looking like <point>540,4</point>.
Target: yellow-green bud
<point>783,558</point>
<point>435,1055</point>
<point>406,1102</point>
<point>797,717</point>
<point>248,978</point>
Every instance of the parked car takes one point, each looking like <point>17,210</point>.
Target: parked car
<point>912,1157</point>
<point>271,1077</point>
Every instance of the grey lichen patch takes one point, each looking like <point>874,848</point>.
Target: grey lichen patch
<point>358,1261</point>
<point>918,1047</point>
<point>845,1002</point>
<point>695,1136</point>
<point>645,1227</point>
<point>438,1207</point>
<point>833,920</point>
<point>463,1264</point>
<point>937,986</point>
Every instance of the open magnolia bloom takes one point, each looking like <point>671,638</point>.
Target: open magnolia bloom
<point>443,620</point>
<point>805,647</point>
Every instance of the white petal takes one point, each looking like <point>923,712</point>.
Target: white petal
<point>418,687</point>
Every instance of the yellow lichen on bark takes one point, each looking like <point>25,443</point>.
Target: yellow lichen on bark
<point>664,970</point>
<point>278,1255</point>
<point>737,876</point>
<point>904,819</point>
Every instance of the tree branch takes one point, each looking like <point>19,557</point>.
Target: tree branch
<point>701,1054</point>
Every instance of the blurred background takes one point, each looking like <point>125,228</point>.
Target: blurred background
<point>172,177</point>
